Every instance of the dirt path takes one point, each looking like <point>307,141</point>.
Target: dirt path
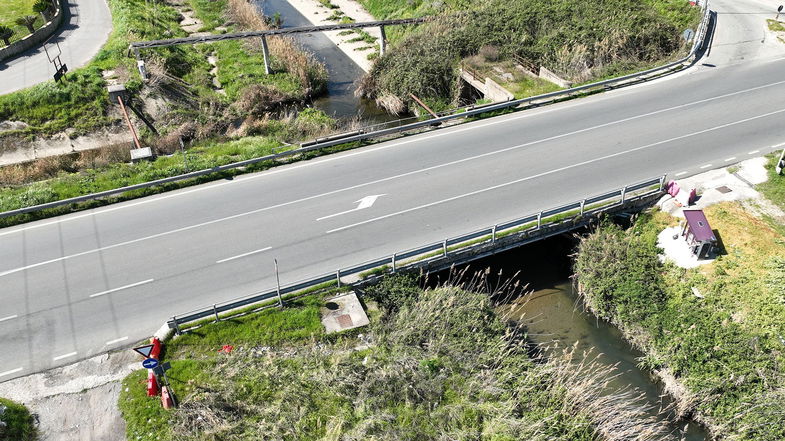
<point>77,402</point>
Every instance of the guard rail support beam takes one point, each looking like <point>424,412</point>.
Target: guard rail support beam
<point>266,54</point>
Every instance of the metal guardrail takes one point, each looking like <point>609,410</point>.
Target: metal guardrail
<point>423,255</point>
<point>362,134</point>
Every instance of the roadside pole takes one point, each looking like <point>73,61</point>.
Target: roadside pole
<point>278,284</point>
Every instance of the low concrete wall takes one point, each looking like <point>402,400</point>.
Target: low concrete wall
<point>36,38</point>
<point>546,74</point>
<point>496,93</point>
<point>490,89</point>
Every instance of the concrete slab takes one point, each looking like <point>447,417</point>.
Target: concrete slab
<point>342,313</point>
<point>677,250</point>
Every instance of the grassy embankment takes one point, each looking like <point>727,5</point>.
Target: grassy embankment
<point>722,350</point>
<point>81,103</point>
<point>18,422</point>
<point>579,40</point>
<point>437,364</point>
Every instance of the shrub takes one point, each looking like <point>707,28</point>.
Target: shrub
<point>18,423</point>
<point>619,275</point>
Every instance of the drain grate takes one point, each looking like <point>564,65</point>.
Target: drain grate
<point>724,189</point>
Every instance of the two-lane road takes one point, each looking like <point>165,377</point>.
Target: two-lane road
<point>80,284</point>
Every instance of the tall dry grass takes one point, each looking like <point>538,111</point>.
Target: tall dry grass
<point>51,166</point>
<point>311,74</point>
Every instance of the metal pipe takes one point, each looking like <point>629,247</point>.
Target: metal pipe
<point>128,121</point>
<point>266,54</point>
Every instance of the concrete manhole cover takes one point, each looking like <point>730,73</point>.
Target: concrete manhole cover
<point>343,312</point>
<point>724,189</point>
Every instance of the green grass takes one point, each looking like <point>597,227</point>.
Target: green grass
<point>13,9</point>
<point>727,348</point>
<point>81,100</point>
<point>298,321</point>
<point>19,422</point>
<point>774,187</point>
<point>442,365</point>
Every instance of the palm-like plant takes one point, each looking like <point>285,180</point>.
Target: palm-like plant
<point>5,34</point>
<point>27,20</point>
<point>43,7</point>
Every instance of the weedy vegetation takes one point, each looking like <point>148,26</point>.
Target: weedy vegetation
<point>722,352</point>
<point>434,364</point>
<point>17,422</point>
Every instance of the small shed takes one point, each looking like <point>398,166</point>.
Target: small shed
<point>698,234</point>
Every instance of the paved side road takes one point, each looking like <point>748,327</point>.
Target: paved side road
<point>85,29</point>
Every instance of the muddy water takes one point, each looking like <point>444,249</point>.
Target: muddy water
<point>552,315</point>
<point>340,101</point>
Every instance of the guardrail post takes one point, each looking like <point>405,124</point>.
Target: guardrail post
<point>623,193</point>
<point>583,206</point>
<point>493,234</point>
<point>444,247</point>
<point>266,54</point>
<point>278,284</point>
<point>176,326</point>
<point>338,277</point>
<point>393,262</point>
<point>382,41</point>
<point>215,311</point>
<point>539,220</point>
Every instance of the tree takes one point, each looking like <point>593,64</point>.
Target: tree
<point>5,34</point>
<point>43,7</point>
<point>27,20</point>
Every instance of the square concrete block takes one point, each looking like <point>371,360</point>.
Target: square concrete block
<point>343,312</point>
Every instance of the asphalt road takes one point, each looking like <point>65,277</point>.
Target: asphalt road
<point>79,285</point>
<point>85,28</point>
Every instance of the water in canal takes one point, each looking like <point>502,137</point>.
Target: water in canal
<point>343,72</point>
<point>552,314</point>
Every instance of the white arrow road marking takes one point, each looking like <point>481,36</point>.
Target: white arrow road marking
<point>109,291</point>
<point>366,202</point>
<point>243,255</point>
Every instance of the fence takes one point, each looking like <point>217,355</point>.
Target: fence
<point>515,230</point>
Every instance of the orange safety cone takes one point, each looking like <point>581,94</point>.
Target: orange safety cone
<point>152,384</point>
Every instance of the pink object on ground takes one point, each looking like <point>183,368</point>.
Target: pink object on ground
<point>672,188</point>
